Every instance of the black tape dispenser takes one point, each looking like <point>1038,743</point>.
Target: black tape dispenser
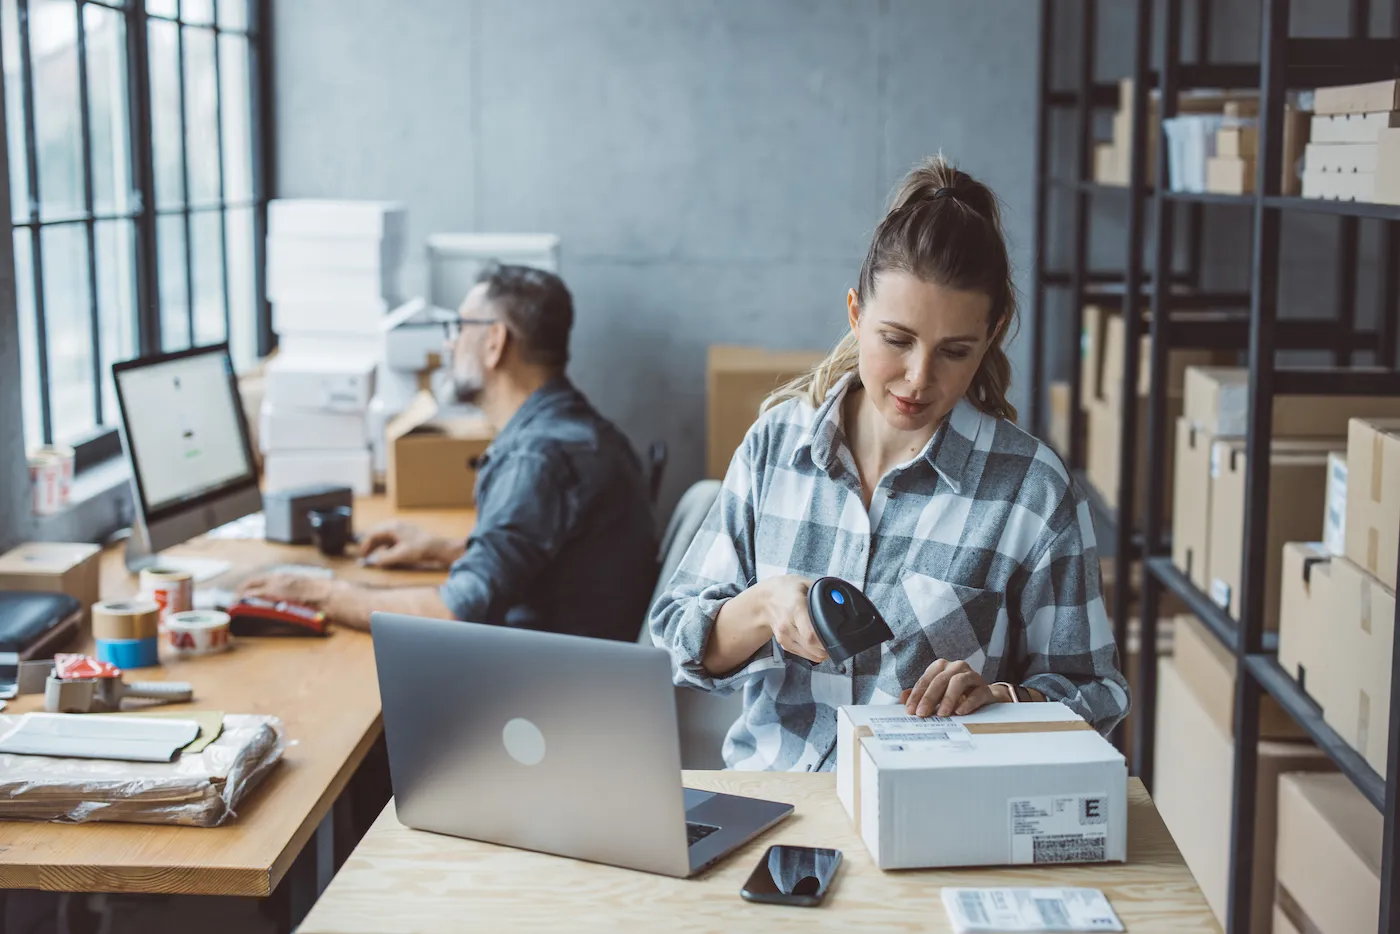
<point>844,618</point>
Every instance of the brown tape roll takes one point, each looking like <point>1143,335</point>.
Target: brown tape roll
<point>125,619</point>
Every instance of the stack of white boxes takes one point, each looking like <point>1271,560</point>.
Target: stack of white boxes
<point>332,276</point>
<point>1351,126</point>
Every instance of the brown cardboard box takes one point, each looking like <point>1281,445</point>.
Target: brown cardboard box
<point>1106,165</point>
<point>1281,923</point>
<point>1297,492</point>
<point>1193,784</point>
<point>1102,453</point>
<point>430,462</point>
<point>1191,503</point>
<point>1237,142</point>
<point>1178,361</point>
<point>1059,418</point>
<point>737,381</point>
<point>1373,97</point>
<point>1329,855</point>
<point>1357,686</point>
<point>1340,157</point>
<point>1091,344</point>
<point>1388,167</point>
<point>1217,400</point>
<point>1306,644</point>
<point>1229,175</point>
<point>1373,495</point>
<point>1208,669</point>
<point>63,567</point>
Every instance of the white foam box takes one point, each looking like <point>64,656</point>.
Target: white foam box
<point>1339,186</point>
<point>284,470</point>
<point>1012,784</point>
<point>333,383</point>
<point>1352,128</point>
<point>1340,157</point>
<point>334,254</point>
<point>328,313</point>
<point>293,286</point>
<point>286,428</point>
<point>316,217</point>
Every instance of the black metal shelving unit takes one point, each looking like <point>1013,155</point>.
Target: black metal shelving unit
<point>1285,63</point>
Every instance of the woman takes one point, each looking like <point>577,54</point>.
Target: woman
<point>896,465</point>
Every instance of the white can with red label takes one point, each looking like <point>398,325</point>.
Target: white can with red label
<point>198,632</point>
<point>172,591</point>
<point>51,478</point>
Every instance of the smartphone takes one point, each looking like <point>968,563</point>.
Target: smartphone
<point>792,875</point>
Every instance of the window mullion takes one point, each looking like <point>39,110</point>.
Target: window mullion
<point>143,167</point>
<point>185,168</point>
<point>219,157</point>
<point>85,122</point>
<point>36,255</point>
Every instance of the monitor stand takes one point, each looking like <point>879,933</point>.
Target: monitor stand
<point>139,559</point>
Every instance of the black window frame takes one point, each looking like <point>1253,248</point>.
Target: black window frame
<point>104,441</point>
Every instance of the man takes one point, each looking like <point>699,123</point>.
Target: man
<point>564,538</point>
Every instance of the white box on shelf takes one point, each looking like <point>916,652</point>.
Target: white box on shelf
<point>1339,157</point>
<point>333,254</point>
<point>283,470</point>
<point>325,313</point>
<point>318,217</point>
<point>336,384</point>
<point>284,428</point>
<point>1339,186</point>
<point>1351,128</point>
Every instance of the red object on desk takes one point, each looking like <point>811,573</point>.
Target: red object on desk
<point>254,616</point>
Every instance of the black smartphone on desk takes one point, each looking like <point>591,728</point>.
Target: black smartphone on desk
<point>792,875</point>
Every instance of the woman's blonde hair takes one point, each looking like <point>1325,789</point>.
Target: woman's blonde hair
<point>943,226</point>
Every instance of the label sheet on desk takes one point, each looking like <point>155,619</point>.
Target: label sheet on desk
<point>984,911</point>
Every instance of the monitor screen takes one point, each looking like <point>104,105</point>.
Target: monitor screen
<point>184,427</point>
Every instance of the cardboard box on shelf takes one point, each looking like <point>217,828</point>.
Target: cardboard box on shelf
<point>1373,495</point>
<point>1114,343</point>
<point>1102,453</point>
<point>1193,788</point>
<point>61,567</point>
<point>1328,862</point>
<point>1191,503</point>
<point>336,384</point>
<point>1334,516</point>
<point>1237,142</point>
<point>1340,157</point>
<point>1357,688</point>
<point>284,470</point>
<point>1352,128</point>
<point>1297,490</point>
<point>432,459</point>
<point>1388,167</point>
<point>1373,97</point>
<point>738,379</point>
<point>997,801</point>
<point>1059,418</point>
<point>1338,186</point>
<point>1229,175</point>
<point>1106,165</point>
<point>1306,646</point>
<point>1208,668</point>
<point>1216,399</point>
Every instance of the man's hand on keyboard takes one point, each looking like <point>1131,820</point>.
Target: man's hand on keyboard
<point>399,545</point>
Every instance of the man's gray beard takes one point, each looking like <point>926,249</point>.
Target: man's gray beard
<point>467,391</point>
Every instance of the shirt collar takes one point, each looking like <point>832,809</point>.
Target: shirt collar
<point>948,451</point>
<point>538,402</point>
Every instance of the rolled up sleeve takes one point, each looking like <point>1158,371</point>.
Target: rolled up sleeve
<point>1068,650</point>
<point>717,567</point>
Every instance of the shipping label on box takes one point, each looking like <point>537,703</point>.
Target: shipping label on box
<point>1358,684</point>
<point>1373,496</point>
<point>1334,518</point>
<point>1305,643</point>
<point>1011,784</point>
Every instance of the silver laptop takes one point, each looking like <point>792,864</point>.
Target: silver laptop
<point>548,742</point>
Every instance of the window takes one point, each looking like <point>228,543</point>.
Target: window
<point>135,186</point>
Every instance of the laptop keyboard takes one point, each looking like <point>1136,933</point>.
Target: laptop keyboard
<point>694,832</point>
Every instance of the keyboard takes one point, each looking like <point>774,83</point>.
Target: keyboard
<point>694,832</point>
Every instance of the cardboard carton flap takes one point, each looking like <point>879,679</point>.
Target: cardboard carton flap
<point>421,418</point>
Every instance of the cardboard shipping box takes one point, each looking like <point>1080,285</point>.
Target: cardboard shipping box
<point>333,383</point>
<point>1357,688</point>
<point>1012,784</point>
<point>1297,491</point>
<point>60,567</point>
<point>282,428</point>
<point>1238,142</point>
<point>1216,399</point>
<point>1193,788</point>
<point>1373,496</point>
<point>1328,856</point>
<point>431,459</point>
<point>1111,384</point>
<point>1229,175</point>
<point>1059,418</point>
<point>737,380</point>
<point>1306,642</point>
<point>1373,97</point>
<point>1387,180</point>
<point>1191,503</point>
<point>1103,430</point>
<point>1208,668</point>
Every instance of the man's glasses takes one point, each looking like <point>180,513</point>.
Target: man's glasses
<point>452,328</point>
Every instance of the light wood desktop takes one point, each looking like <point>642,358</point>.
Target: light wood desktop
<point>326,694</point>
<point>406,880</point>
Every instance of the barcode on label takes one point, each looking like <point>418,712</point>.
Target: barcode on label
<point>1067,848</point>
<point>971,904</point>
<point>931,737</point>
<point>1052,913</point>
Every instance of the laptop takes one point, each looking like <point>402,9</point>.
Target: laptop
<point>560,744</point>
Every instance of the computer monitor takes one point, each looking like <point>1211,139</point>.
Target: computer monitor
<point>187,444</point>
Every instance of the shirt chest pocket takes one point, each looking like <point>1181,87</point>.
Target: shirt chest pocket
<point>933,619</point>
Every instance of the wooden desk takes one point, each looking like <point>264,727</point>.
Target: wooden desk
<point>405,880</point>
<point>326,693</point>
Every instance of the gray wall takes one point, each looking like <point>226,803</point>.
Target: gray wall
<point>715,168</point>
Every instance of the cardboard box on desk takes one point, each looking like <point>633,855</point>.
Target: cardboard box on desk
<point>1217,401</point>
<point>1193,787</point>
<point>1297,494</point>
<point>431,458</point>
<point>1306,642</point>
<point>1012,784</point>
<point>1373,496</point>
<point>1357,687</point>
<point>60,567</point>
<point>737,380</point>
<point>1329,856</point>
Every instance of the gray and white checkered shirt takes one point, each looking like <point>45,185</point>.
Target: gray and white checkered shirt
<point>980,548</point>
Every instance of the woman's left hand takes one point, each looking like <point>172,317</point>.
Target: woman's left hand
<point>950,688</point>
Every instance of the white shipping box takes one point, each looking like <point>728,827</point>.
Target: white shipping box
<point>285,428</point>
<point>315,344</point>
<point>1339,186</point>
<point>329,314</point>
<point>1334,518</point>
<point>335,254</point>
<point>293,286</point>
<point>315,217</point>
<point>1340,157</point>
<point>1012,784</point>
<point>414,337</point>
<point>1352,128</point>
<point>284,470</point>
<point>336,384</point>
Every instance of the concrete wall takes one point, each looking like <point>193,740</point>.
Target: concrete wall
<point>715,167</point>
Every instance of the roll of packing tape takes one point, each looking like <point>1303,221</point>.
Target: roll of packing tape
<point>129,653</point>
<point>173,591</point>
<point>124,620</point>
<point>198,632</point>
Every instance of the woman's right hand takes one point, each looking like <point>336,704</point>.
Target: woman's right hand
<point>787,617</point>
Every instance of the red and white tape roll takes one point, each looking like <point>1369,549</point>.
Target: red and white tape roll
<point>197,632</point>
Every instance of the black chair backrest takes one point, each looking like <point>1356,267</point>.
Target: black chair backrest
<point>655,467</point>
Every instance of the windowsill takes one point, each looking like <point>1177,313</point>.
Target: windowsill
<point>100,504</point>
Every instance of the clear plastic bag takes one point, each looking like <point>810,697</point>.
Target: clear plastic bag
<point>199,789</point>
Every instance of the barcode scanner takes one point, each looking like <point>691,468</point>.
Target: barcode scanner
<point>844,619</point>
